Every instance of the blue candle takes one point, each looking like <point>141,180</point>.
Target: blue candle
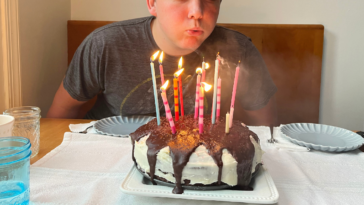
<point>155,87</point>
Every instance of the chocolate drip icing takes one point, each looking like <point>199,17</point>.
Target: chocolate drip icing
<point>187,139</point>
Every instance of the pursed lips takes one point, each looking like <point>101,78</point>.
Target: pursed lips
<point>194,31</point>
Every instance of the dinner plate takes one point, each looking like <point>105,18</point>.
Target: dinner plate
<point>120,126</point>
<point>322,137</point>
<point>264,190</point>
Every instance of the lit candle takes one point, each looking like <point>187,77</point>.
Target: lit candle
<point>155,86</point>
<point>175,87</point>
<point>217,62</point>
<point>234,94</point>
<point>180,88</point>
<point>207,87</point>
<point>198,71</point>
<point>166,107</point>
<point>227,127</point>
<point>205,66</point>
<point>161,67</point>
<point>218,98</point>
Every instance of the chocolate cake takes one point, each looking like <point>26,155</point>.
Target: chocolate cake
<point>187,157</point>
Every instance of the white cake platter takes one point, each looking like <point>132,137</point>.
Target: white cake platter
<point>264,190</point>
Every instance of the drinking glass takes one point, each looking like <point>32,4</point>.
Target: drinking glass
<point>27,124</point>
<point>14,170</point>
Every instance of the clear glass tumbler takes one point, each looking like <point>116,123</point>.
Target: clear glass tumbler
<point>14,170</point>
<point>27,124</point>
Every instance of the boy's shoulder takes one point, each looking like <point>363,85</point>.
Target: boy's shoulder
<point>138,22</point>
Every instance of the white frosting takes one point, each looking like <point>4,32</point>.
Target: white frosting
<point>258,153</point>
<point>201,168</point>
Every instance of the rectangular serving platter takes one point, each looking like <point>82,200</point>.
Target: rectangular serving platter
<point>264,190</point>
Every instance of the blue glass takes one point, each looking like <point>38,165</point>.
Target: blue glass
<point>14,170</point>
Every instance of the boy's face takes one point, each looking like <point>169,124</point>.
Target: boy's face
<point>185,24</point>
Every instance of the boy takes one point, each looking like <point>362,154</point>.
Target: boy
<point>113,63</point>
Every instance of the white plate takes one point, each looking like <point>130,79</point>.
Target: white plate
<point>322,137</point>
<point>120,126</point>
<point>264,190</point>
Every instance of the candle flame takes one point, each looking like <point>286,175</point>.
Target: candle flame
<point>165,85</point>
<point>207,66</point>
<point>161,58</point>
<point>176,74</point>
<point>199,70</point>
<point>155,55</point>
<point>180,63</point>
<point>206,86</point>
<point>218,53</point>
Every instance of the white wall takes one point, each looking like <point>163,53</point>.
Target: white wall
<point>342,93</point>
<point>43,49</point>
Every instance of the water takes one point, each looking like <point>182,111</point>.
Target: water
<point>13,192</point>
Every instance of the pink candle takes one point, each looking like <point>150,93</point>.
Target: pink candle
<point>161,68</point>
<point>233,96</point>
<point>198,71</point>
<point>166,107</point>
<point>218,98</point>
<point>204,67</point>
<point>200,120</point>
<point>206,87</point>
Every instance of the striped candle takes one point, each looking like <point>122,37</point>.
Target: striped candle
<point>166,107</point>
<point>155,87</point>
<point>176,106</point>
<point>204,87</point>
<point>180,88</point>
<point>205,66</point>
<point>233,95</point>
<point>175,86</point>
<point>161,68</point>
<point>200,119</point>
<point>218,98</point>
<point>198,71</point>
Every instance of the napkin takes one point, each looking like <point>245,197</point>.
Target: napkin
<point>89,169</point>
<point>83,127</point>
<point>284,144</point>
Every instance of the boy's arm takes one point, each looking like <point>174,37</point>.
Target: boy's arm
<point>64,106</point>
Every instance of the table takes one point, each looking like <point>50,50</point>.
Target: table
<point>51,134</point>
<point>52,131</point>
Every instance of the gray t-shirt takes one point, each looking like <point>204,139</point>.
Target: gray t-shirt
<point>113,62</point>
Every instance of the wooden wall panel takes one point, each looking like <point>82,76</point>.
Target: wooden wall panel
<point>293,54</point>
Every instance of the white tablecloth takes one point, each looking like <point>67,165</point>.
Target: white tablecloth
<point>89,168</point>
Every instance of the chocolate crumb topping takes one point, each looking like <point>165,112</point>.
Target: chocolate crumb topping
<point>187,139</point>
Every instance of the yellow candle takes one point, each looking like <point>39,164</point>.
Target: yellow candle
<point>227,122</point>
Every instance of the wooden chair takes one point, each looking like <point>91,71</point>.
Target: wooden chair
<point>293,54</point>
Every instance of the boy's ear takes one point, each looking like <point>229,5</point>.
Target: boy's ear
<point>151,7</point>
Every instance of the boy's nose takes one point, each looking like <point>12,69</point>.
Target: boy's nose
<point>195,9</point>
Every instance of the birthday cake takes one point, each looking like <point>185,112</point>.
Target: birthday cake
<point>213,158</point>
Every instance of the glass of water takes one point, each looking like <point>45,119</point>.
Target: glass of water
<point>14,170</point>
<point>27,124</point>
